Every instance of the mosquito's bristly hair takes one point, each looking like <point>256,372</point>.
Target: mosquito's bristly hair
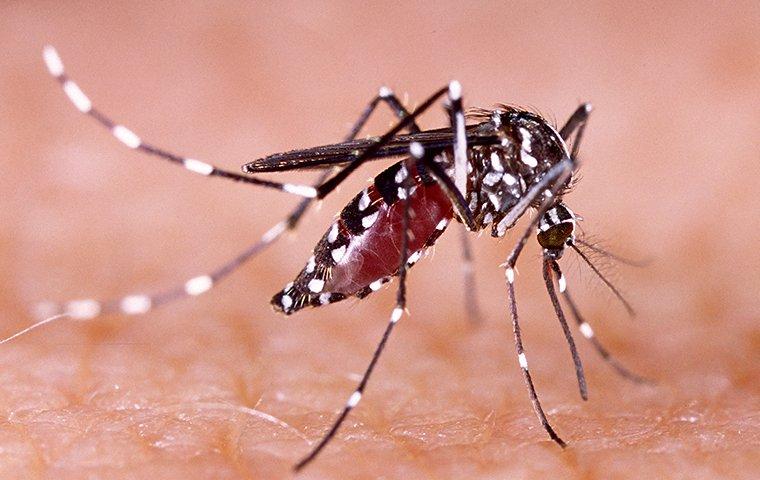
<point>548,280</point>
<point>589,334</point>
<point>34,326</point>
<point>614,290</point>
<point>131,140</point>
<point>606,253</point>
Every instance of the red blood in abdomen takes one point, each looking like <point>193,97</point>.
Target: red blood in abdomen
<point>375,254</point>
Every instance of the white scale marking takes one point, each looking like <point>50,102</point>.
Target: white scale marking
<point>354,399</point>
<point>364,201</point>
<point>301,190</point>
<point>333,235</point>
<point>496,162</point>
<point>135,304</point>
<point>492,178</point>
<point>286,301</point>
<point>495,200</point>
<point>324,298</point>
<point>77,96</point>
<point>523,361</point>
<point>509,179</point>
<point>126,136</point>
<point>401,174</point>
<point>274,232</point>
<point>562,283</point>
<point>311,264</point>
<point>338,253</point>
<point>414,258</point>
<point>396,314</point>
<point>510,274</point>
<point>376,285</point>
<point>385,92</point>
<point>196,286</point>
<point>52,61</point>
<point>370,220</point>
<point>417,150</point>
<point>316,285</point>
<point>197,166</point>
<point>401,193</point>
<point>83,309</point>
<point>586,330</point>
<point>442,224</point>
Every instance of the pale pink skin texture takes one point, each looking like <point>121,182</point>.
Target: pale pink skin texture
<point>670,166</point>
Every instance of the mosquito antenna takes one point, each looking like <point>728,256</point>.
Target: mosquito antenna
<point>589,334</point>
<point>561,316</point>
<point>617,293</point>
<point>35,326</point>
<point>607,253</point>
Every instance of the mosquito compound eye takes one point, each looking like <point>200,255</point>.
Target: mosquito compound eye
<point>554,238</point>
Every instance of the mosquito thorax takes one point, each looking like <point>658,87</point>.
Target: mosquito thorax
<point>556,229</point>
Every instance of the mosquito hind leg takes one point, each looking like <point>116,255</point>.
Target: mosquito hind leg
<point>131,140</point>
<point>141,303</point>
<point>325,188</point>
<point>396,314</point>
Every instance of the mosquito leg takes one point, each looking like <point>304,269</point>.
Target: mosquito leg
<point>86,309</point>
<point>456,114</point>
<point>547,270</point>
<point>470,288</point>
<point>576,123</point>
<point>396,315</point>
<point>328,186</point>
<point>384,95</point>
<point>131,140</point>
<point>547,187</point>
<point>589,334</point>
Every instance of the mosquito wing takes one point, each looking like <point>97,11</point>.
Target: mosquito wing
<point>341,153</point>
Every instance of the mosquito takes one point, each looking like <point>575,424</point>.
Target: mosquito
<point>486,169</point>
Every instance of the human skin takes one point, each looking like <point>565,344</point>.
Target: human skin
<point>220,386</point>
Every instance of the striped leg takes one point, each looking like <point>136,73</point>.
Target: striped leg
<point>547,187</point>
<point>85,309</point>
<point>563,322</point>
<point>456,114</point>
<point>325,188</point>
<point>589,334</point>
<point>398,311</point>
<point>576,124</point>
<point>126,136</point>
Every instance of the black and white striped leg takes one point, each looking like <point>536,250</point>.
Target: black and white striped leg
<point>396,314</point>
<point>546,188</point>
<point>456,114</point>
<point>548,280</point>
<point>576,124</point>
<point>136,304</point>
<point>386,95</point>
<point>129,138</point>
<point>330,185</point>
<point>589,334</point>
<point>472,303</point>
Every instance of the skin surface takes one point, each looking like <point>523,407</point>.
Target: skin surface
<point>221,387</point>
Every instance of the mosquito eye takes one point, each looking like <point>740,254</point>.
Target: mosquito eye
<point>555,237</point>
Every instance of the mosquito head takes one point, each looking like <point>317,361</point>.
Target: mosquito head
<point>556,230</point>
